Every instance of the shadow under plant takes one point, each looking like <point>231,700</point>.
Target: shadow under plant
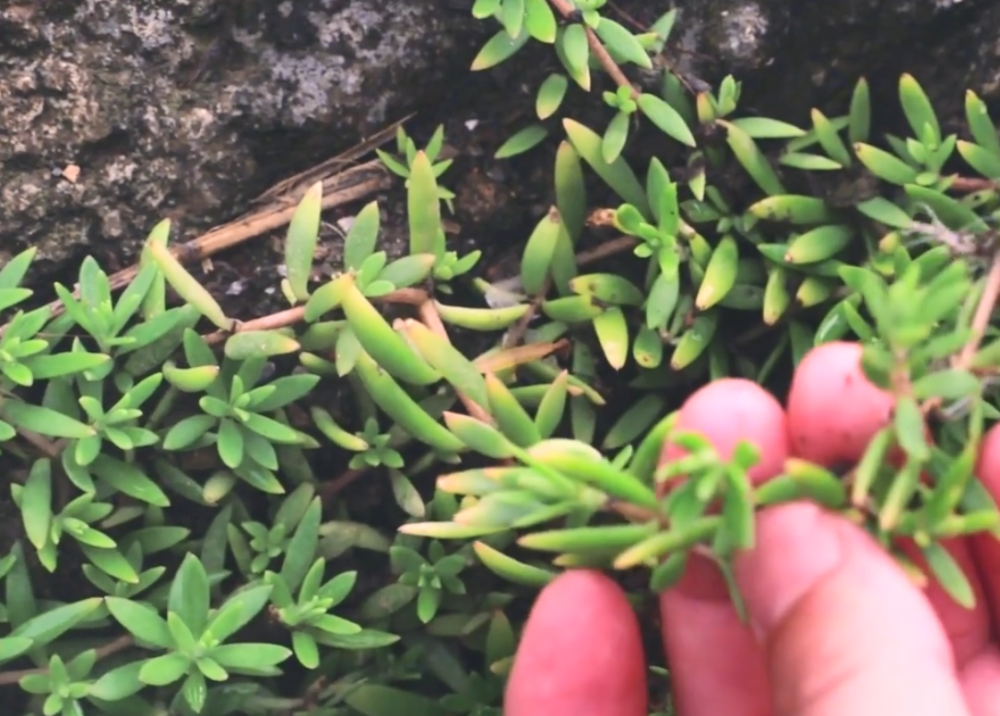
<point>182,536</point>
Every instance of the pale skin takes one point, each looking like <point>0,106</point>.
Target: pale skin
<point>836,627</point>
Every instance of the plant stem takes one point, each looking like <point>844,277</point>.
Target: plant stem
<point>112,647</point>
<point>980,322</point>
<point>327,490</point>
<point>429,315</point>
<point>981,319</point>
<point>564,8</point>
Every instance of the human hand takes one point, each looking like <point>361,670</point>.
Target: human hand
<point>837,628</point>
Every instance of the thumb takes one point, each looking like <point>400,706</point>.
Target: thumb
<point>843,629</point>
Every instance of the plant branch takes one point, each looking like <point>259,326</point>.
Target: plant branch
<point>327,490</point>
<point>50,449</point>
<point>981,319</point>
<point>564,8</point>
<point>342,184</point>
<point>411,297</point>
<point>112,647</point>
<point>291,316</point>
<point>968,185</point>
<point>429,315</point>
<point>980,322</point>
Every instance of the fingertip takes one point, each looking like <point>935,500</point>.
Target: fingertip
<point>732,410</point>
<point>833,409</point>
<point>580,653</point>
<point>727,412</point>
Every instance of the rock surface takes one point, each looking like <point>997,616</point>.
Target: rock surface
<point>187,108</point>
<point>115,113</point>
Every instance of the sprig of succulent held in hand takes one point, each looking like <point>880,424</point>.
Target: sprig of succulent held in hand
<point>694,484</point>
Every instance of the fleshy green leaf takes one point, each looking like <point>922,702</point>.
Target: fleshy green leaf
<point>300,244</point>
<point>521,141</point>
<point>189,594</point>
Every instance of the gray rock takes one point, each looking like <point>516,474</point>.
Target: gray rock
<point>188,108</point>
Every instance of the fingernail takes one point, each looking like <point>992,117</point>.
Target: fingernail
<point>796,546</point>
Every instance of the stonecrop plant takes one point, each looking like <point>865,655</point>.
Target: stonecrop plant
<point>183,546</point>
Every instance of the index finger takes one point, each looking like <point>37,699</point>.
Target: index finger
<point>716,665</point>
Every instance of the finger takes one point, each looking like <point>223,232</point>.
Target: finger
<point>986,547</point>
<point>831,374</point>
<point>968,630</point>
<point>981,681</point>
<point>730,411</point>
<point>844,629</point>
<point>981,675</point>
<point>716,665</point>
<point>580,654</point>
<point>833,409</point>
